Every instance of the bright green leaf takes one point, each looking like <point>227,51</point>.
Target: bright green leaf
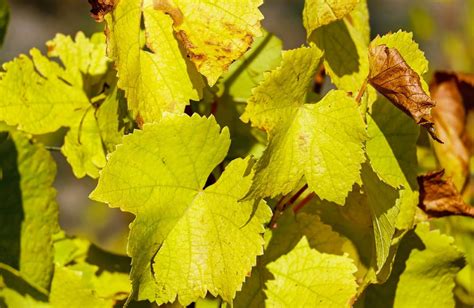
<point>321,141</point>
<point>179,225</point>
<point>318,13</point>
<point>307,278</point>
<point>29,213</point>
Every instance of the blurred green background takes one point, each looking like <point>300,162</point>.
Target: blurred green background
<point>443,28</point>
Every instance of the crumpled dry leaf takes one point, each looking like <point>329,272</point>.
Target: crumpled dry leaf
<point>439,197</point>
<point>454,96</point>
<point>100,8</point>
<point>397,81</point>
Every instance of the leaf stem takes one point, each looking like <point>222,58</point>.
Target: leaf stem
<point>52,148</point>
<point>283,204</point>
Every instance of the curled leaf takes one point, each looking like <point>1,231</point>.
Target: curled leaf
<point>439,197</point>
<point>454,96</point>
<point>100,8</point>
<point>397,81</point>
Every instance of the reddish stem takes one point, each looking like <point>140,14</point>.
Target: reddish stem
<point>303,202</point>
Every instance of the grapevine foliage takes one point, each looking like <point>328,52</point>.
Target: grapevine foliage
<point>249,185</point>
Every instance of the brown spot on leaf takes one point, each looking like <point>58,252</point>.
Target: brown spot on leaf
<point>170,8</point>
<point>454,96</point>
<point>100,8</point>
<point>397,81</point>
<point>439,197</point>
<point>189,46</point>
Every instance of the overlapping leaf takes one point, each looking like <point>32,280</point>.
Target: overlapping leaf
<point>180,225</point>
<point>344,43</point>
<point>39,96</point>
<point>29,213</point>
<point>391,150</point>
<point>393,76</point>
<point>318,13</point>
<point>423,272</point>
<point>439,197</point>
<point>307,278</point>
<point>321,141</point>
<point>152,64</point>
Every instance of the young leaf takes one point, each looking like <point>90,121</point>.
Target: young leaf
<point>439,197</point>
<point>318,13</point>
<point>180,224</point>
<point>454,94</point>
<point>321,141</point>
<point>307,278</point>
<point>29,213</point>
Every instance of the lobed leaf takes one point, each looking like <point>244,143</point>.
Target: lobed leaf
<point>307,278</point>
<point>180,224</point>
<point>321,141</point>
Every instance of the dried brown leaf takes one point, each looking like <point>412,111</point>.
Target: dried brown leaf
<point>100,8</point>
<point>397,81</point>
<point>454,96</point>
<point>439,197</point>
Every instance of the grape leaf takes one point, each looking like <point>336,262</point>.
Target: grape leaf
<point>345,43</point>
<point>215,33</point>
<point>318,13</point>
<point>307,278</point>
<point>439,197</point>
<point>247,72</point>
<point>29,213</point>
<point>151,67</point>
<point>321,141</point>
<point>237,84</point>
<point>423,272</point>
<point>281,240</point>
<point>391,149</point>
<point>179,225</point>
<point>51,96</point>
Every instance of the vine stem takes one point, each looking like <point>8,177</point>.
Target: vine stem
<point>361,91</point>
<point>283,203</point>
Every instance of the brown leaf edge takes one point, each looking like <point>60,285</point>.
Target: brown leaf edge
<point>100,8</point>
<point>391,76</point>
<point>439,197</point>
<point>454,96</point>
